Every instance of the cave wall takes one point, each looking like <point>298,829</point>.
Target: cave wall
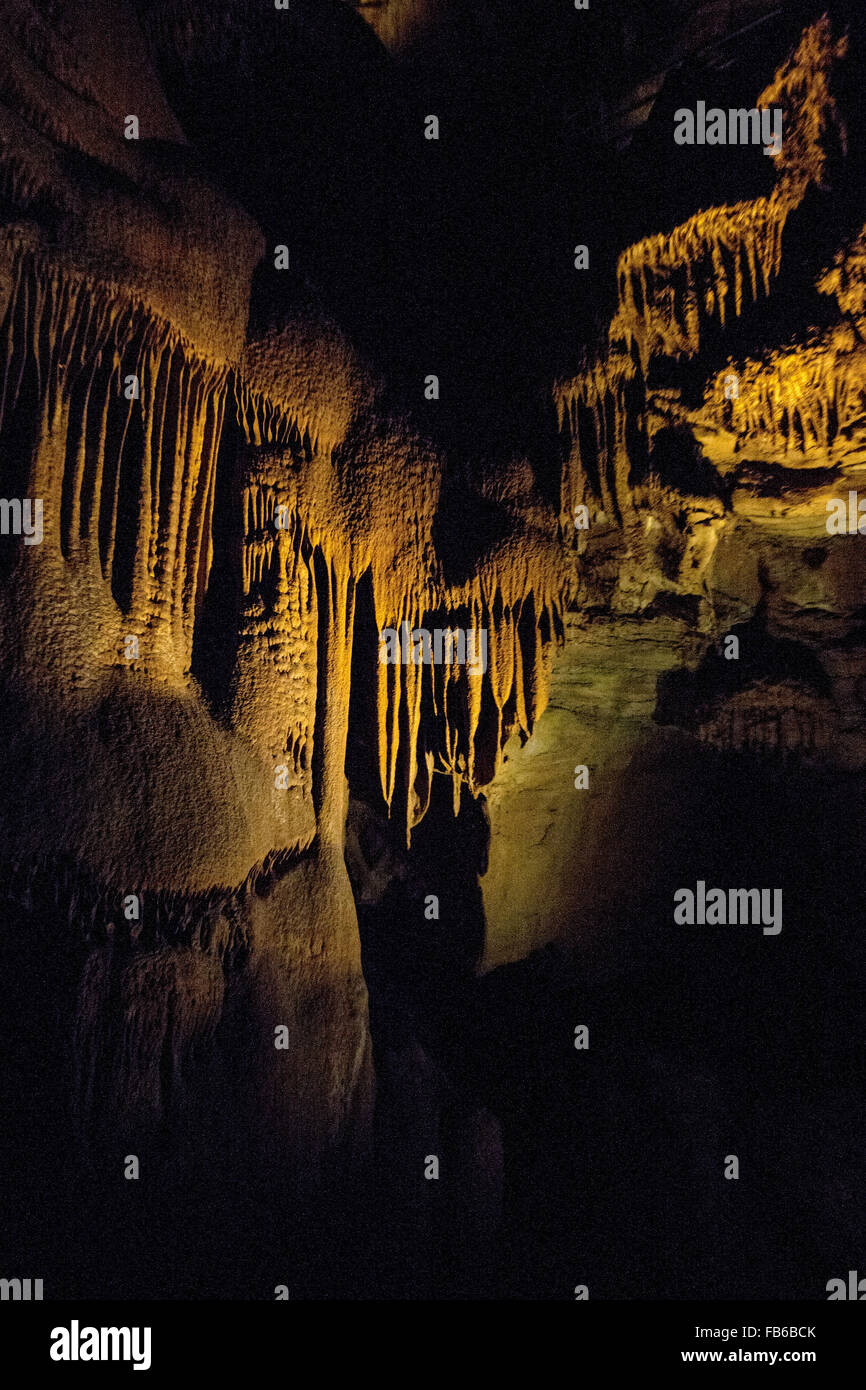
<point>239,496</point>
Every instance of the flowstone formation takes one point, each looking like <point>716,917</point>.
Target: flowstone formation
<point>705,446</point>
<point>178,648</point>
<point>236,504</point>
<point>747,452</point>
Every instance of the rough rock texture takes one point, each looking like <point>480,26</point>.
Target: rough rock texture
<point>213,501</point>
<point>237,501</point>
<point>699,520</point>
<point>127,280</point>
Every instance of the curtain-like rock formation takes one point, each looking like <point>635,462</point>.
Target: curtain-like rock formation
<point>236,505</point>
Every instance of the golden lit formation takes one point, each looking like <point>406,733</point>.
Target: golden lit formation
<point>220,791</point>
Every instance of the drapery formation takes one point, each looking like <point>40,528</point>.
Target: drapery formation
<point>711,266</point>
<point>451,718</point>
<point>79,360</point>
<point>300,577</point>
<point>124,417</point>
<point>670,287</point>
<point>119,400</point>
<point>593,412</point>
<point>706,271</point>
<point>806,404</point>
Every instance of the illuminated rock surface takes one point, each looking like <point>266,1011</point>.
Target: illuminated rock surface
<point>240,495</point>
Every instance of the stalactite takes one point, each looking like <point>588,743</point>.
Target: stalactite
<point>597,469</point>
<point>515,683</point>
<point>670,285</point>
<point>691,281</point>
<point>81,339</point>
<point>809,400</point>
<point>301,387</point>
<point>781,720</point>
<point>391,542</point>
<point>276,683</point>
<point>336,606</point>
